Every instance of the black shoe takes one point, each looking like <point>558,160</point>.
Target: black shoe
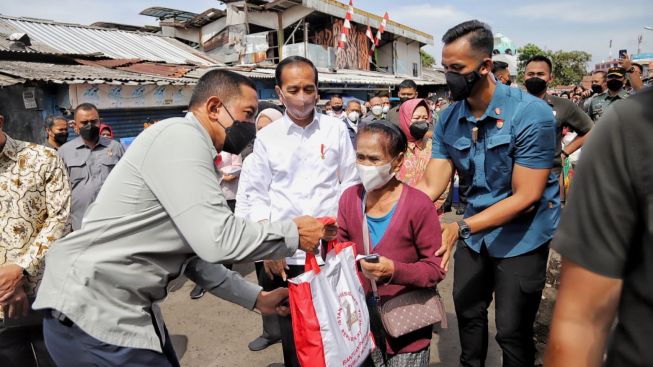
<point>197,292</point>
<point>261,343</point>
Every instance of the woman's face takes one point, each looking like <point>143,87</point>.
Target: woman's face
<point>420,114</point>
<point>371,149</point>
<point>106,133</point>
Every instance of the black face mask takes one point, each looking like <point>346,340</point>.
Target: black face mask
<point>89,132</point>
<point>403,99</point>
<point>61,138</point>
<point>418,129</point>
<point>614,85</point>
<point>508,82</point>
<point>461,85</point>
<point>337,107</point>
<point>535,86</point>
<point>596,88</point>
<point>238,135</point>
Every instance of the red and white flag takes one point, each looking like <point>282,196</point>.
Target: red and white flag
<point>381,28</point>
<point>346,28</point>
<point>370,35</point>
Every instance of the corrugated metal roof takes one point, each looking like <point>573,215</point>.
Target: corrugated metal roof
<point>6,80</point>
<point>342,76</point>
<point>166,70</point>
<point>77,74</point>
<point>117,44</point>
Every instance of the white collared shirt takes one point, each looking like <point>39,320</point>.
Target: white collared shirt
<point>300,171</point>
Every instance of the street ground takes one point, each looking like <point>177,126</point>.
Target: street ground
<point>210,332</point>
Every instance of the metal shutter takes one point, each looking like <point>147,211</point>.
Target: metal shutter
<point>129,122</point>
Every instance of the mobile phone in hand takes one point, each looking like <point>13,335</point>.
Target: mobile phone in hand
<point>372,258</point>
<point>623,53</point>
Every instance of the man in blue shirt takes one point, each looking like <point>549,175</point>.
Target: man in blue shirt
<point>502,141</point>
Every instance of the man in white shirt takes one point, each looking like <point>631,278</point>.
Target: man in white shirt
<point>304,161</point>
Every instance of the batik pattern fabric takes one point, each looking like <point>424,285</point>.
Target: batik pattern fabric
<point>35,206</point>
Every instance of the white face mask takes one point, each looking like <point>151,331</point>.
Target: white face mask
<point>353,116</point>
<point>377,110</point>
<point>331,113</point>
<point>386,108</point>
<point>374,177</point>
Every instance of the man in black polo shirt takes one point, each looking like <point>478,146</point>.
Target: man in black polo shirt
<point>537,75</point>
<point>407,90</point>
<point>606,240</point>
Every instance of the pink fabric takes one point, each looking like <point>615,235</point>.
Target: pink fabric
<point>406,114</point>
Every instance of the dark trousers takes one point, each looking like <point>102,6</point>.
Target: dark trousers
<point>517,283</point>
<point>271,329</point>
<point>285,322</point>
<point>70,346</point>
<point>24,347</point>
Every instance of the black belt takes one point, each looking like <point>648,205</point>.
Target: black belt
<point>63,319</point>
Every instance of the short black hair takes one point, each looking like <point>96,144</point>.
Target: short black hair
<point>49,121</point>
<point>223,84</point>
<point>479,33</point>
<point>291,60</point>
<point>540,58</point>
<point>84,107</point>
<point>603,73</point>
<point>640,67</point>
<point>398,142</point>
<point>499,66</point>
<point>408,83</point>
<point>335,96</point>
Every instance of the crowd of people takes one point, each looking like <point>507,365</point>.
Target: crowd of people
<point>92,233</point>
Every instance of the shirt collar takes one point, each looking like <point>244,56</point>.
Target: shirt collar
<point>190,116</point>
<point>290,125</point>
<point>79,142</point>
<point>621,95</point>
<point>494,109</point>
<point>11,148</point>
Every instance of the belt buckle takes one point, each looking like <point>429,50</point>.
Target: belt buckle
<point>63,319</point>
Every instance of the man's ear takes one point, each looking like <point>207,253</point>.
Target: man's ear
<point>486,67</point>
<point>212,106</point>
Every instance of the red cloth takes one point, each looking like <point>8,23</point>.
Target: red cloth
<point>406,114</point>
<point>107,127</point>
<point>410,241</point>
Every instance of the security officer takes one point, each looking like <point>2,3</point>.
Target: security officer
<point>502,141</point>
<point>89,159</point>
<point>614,80</point>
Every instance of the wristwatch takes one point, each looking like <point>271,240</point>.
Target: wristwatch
<point>464,231</point>
<point>565,153</point>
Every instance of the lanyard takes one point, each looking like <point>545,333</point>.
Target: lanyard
<point>366,244</point>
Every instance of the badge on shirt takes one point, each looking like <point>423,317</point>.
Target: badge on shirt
<point>499,124</point>
<point>109,152</point>
<point>322,151</point>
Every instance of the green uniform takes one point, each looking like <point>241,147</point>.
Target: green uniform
<point>600,103</point>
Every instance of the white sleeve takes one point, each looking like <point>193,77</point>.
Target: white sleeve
<point>259,197</point>
<point>243,195</point>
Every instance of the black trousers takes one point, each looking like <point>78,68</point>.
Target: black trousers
<point>517,284</point>
<point>24,347</point>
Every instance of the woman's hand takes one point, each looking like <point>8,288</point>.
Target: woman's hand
<point>381,271</point>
